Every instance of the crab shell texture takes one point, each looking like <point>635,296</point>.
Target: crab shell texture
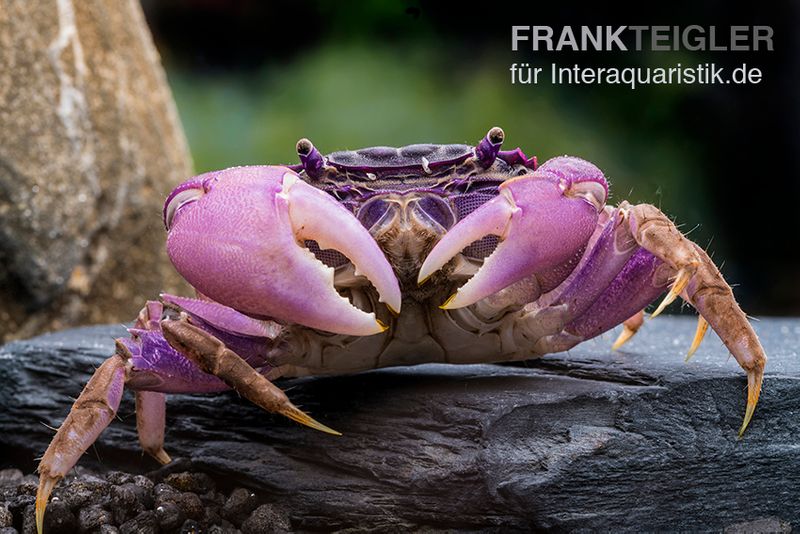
<point>392,256</point>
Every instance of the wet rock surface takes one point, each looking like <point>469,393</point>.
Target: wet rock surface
<point>633,440</point>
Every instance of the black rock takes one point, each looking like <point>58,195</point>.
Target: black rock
<point>239,505</point>
<point>594,440</point>
<point>87,489</point>
<point>6,517</point>
<point>59,519</point>
<point>144,523</point>
<point>266,519</point>
<point>190,526</point>
<point>187,481</point>
<point>91,517</point>
<point>10,477</point>
<point>169,516</point>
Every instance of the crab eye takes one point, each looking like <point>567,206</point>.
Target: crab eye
<point>178,199</point>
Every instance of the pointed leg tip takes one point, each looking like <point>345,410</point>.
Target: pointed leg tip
<point>299,416</point>
<point>46,485</point>
<point>755,377</point>
<point>161,457</point>
<point>624,337</point>
<point>702,328</point>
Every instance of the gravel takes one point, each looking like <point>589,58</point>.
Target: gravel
<point>121,503</point>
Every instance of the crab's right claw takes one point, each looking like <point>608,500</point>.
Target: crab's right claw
<point>238,236</point>
<point>543,219</point>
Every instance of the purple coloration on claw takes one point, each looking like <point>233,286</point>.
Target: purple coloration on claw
<point>224,317</point>
<point>242,245</point>
<point>542,219</point>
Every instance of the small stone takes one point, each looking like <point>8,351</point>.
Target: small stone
<point>143,482</point>
<point>164,493</point>
<point>191,505</point>
<point>86,490</point>
<point>28,520</point>
<point>10,477</point>
<point>8,530</point>
<point>239,505</point>
<point>191,526</point>
<point>6,517</point>
<point>20,502</point>
<point>27,486</point>
<point>169,516</point>
<point>266,519</point>
<point>59,518</point>
<point>119,477</point>
<point>193,482</point>
<point>91,517</point>
<point>144,523</point>
<point>125,502</point>
<point>108,529</point>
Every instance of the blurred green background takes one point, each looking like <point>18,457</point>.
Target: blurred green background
<point>250,78</point>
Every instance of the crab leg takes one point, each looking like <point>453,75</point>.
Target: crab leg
<point>213,357</point>
<point>91,413</point>
<point>700,283</point>
<point>150,423</point>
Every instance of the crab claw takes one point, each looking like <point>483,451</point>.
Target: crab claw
<point>238,237</point>
<point>542,219</point>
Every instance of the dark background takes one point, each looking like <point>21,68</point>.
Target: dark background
<point>252,77</point>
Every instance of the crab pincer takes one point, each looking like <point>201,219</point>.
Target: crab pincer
<point>238,236</point>
<point>542,219</point>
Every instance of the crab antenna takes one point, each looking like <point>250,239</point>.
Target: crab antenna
<point>310,158</point>
<point>487,150</point>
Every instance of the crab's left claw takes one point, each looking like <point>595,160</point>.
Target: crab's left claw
<point>542,219</point>
<point>239,235</point>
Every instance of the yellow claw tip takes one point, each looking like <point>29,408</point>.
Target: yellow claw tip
<point>754,379</point>
<point>161,457</point>
<point>46,485</point>
<point>446,305</point>
<point>382,326</point>
<point>299,416</point>
<point>421,281</point>
<point>624,336</point>
<point>702,328</point>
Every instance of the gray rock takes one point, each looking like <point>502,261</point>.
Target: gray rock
<point>8,530</point>
<point>91,145</point>
<point>591,440</point>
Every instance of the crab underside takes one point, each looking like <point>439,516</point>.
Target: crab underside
<point>392,256</point>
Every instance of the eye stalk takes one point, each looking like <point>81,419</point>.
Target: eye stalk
<point>182,195</point>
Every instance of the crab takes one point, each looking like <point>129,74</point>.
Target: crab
<point>392,256</point>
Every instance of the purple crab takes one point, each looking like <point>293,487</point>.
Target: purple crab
<point>392,256</point>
